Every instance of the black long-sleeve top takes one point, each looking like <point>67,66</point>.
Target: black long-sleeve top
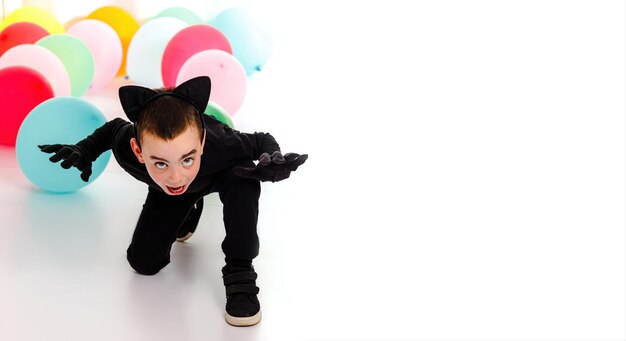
<point>224,148</point>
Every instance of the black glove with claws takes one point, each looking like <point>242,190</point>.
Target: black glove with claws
<point>72,155</point>
<point>275,167</point>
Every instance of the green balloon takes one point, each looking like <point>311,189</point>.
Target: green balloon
<point>216,111</point>
<point>181,13</point>
<point>76,57</point>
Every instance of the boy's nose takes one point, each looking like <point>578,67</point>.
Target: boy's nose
<point>175,176</point>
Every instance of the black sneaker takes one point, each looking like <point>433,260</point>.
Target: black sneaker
<point>188,227</point>
<point>242,305</point>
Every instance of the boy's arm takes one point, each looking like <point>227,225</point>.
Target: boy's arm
<point>102,138</point>
<point>84,152</point>
<point>259,144</point>
<point>272,166</point>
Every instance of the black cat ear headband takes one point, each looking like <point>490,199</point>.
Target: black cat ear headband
<point>195,91</point>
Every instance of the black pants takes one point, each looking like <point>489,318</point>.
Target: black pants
<point>163,214</point>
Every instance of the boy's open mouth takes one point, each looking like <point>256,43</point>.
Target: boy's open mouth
<point>176,190</point>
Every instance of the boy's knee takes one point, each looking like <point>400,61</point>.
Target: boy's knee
<point>145,266</point>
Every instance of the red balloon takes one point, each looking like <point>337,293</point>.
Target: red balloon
<point>21,90</point>
<point>185,44</point>
<point>20,33</point>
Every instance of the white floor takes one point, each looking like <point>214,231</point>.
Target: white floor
<point>466,181</point>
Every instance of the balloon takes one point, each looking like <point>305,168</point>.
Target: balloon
<point>185,44</point>
<point>228,78</point>
<point>105,47</point>
<point>76,57</point>
<point>63,120</point>
<point>124,25</point>
<point>35,15</point>
<point>72,22</point>
<point>251,40</point>
<point>146,50</point>
<point>20,33</point>
<point>21,89</point>
<point>216,111</point>
<point>212,9</point>
<point>41,60</point>
<point>181,13</point>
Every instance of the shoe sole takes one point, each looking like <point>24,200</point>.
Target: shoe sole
<point>182,239</point>
<point>243,321</point>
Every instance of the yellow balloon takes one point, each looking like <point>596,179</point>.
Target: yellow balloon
<point>36,15</point>
<point>124,25</point>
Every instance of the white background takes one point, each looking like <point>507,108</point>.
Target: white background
<point>466,178</point>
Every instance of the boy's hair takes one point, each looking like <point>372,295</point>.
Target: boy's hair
<point>167,117</point>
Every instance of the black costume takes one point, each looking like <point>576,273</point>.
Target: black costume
<point>163,214</point>
<point>226,167</point>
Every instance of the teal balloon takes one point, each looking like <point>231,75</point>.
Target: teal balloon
<point>249,38</point>
<point>63,120</point>
<point>218,112</point>
<point>76,57</point>
<point>181,13</point>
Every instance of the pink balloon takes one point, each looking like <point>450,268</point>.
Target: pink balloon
<point>105,46</point>
<point>185,44</point>
<point>41,60</point>
<point>228,77</point>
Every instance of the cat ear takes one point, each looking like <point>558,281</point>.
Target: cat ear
<point>197,90</point>
<point>133,98</point>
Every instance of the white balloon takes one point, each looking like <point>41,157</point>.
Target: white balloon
<point>143,63</point>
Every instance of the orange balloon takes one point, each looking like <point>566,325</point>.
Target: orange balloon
<point>124,25</point>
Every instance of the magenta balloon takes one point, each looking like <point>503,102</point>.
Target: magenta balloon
<point>21,90</point>
<point>43,61</point>
<point>105,46</point>
<point>185,44</point>
<point>228,77</point>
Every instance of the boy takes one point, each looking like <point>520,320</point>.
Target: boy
<point>184,155</point>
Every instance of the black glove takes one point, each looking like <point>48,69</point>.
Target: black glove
<point>72,155</point>
<point>273,167</point>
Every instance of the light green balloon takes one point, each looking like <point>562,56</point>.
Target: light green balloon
<point>181,13</point>
<point>216,111</point>
<point>76,57</point>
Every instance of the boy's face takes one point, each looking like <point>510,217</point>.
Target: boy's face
<point>173,164</point>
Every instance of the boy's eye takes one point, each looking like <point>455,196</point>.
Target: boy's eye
<point>160,165</point>
<point>187,162</point>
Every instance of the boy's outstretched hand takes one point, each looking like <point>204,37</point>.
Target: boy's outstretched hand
<point>72,155</point>
<point>275,167</point>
